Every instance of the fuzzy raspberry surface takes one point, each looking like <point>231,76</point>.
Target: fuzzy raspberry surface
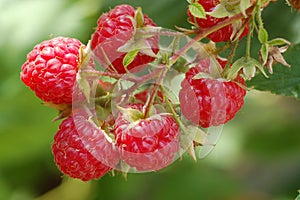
<point>208,101</point>
<point>50,69</point>
<point>148,144</point>
<point>114,30</point>
<point>77,147</point>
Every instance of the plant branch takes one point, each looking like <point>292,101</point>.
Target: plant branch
<point>203,33</point>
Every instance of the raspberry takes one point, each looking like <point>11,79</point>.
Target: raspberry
<point>78,147</point>
<point>147,144</point>
<point>295,4</point>
<point>221,35</point>
<point>143,96</point>
<point>115,29</point>
<point>208,101</point>
<point>50,69</point>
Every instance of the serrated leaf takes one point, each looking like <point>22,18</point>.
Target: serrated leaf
<point>129,57</point>
<point>263,35</point>
<point>264,53</point>
<point>219,12</point>
<point>278,42</point>
<point>283,81</point>
<point>197,10</point>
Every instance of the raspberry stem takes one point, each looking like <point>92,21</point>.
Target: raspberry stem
<point>175,115</point>
<point>230,58</point>
<point>203,33</point>
<point>154,91</point>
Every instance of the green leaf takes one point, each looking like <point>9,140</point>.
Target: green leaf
<point>263,35</point>
<point>129,57</point>
<point>197,10</point>
<point>283,81</point>
<point>190,1</point>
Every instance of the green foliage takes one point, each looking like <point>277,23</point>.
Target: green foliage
<point>258,135</point>
<point>298,197</point>
<point>284,80</point>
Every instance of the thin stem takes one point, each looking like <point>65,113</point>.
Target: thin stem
<point>139,81</point>
<point>101,73</point>
<point>154,91</point>
<point>248,47</point>
<point>175,115</point>
<point>230,58</point>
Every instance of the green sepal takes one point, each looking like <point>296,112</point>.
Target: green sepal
<point>263,35</point>
<point>248,66</point>
<point>244,5</point>
<point>278,42</point>
<point>202,75</point>
<point>264,52</point>
<point>131,114</point>
<point>219,12</point>
<point>84,86</point>
<point>129,57</point>
<point>139,17</point>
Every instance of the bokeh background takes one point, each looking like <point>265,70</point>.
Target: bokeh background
<point>257,156</point>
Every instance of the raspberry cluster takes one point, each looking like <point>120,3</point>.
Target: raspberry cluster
<point>109,124</point>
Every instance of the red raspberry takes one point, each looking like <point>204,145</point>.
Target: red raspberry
<point>221,35</point>
<point>114,30</point>
<point>50,69</point>
<point>78,147</point>
<point>147,144</point>
<point>143,96</point>
<point>207,101</point>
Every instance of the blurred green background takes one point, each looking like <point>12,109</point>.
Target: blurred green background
<point>257,157</point>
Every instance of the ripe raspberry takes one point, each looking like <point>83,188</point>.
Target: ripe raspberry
<point>147,144</point>
<point>143,96</point>
<point>50,69</point>
<point>78,147</point>
<point>114,30</point>
<point>221,35</point>
<point>295,4</point>
<point>207,101</point>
